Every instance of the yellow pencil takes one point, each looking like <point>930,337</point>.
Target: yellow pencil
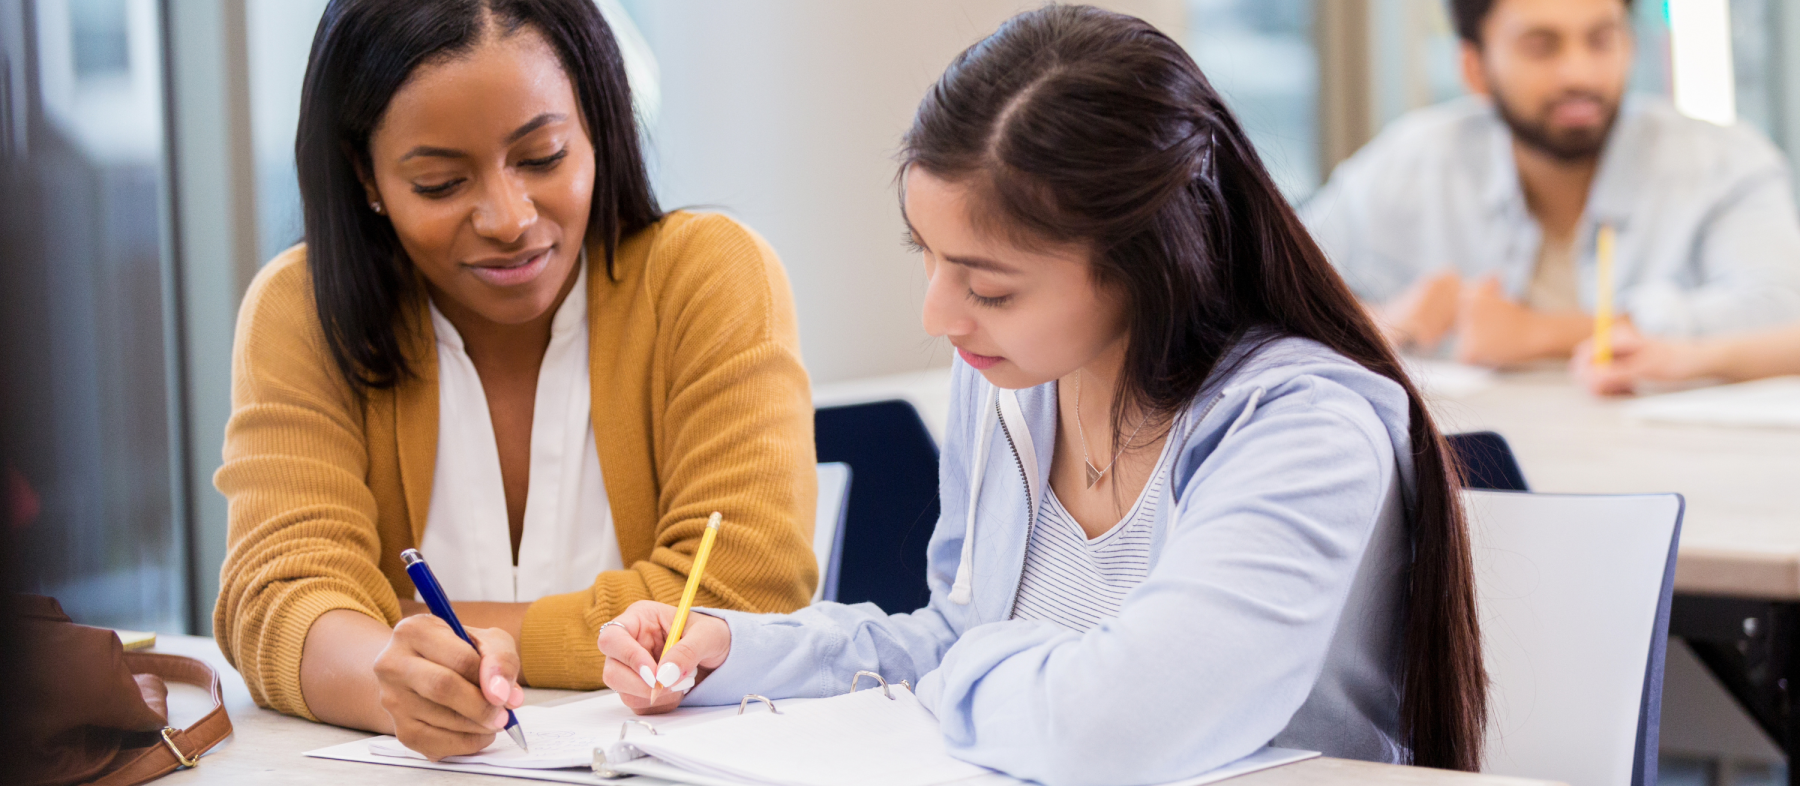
<point>687,594</point>
<point>1603,296</point>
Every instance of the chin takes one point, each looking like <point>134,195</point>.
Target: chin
<point>1007,374</point>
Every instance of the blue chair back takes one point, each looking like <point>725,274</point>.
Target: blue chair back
<point>893,504</point>
<point>1487,461</point>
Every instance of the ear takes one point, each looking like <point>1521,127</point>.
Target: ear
<point>1474,72</point>
<point>371,194</point>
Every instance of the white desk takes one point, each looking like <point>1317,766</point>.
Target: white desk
<point>266,747</point>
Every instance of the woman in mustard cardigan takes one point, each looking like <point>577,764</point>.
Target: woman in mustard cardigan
<point>493,346</point>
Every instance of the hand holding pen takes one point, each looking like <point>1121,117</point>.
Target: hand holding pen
<point>448,689</point>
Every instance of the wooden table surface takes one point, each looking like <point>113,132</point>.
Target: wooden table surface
<point>1741,531</point>
<point>1740,534</point>
<point>266,747</point>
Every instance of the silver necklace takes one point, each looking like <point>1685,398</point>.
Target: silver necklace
<point>1094,475</point>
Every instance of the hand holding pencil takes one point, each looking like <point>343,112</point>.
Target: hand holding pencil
<point>691,645</point>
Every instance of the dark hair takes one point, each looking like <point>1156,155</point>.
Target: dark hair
<point>363,52</point>
<point>1072,124</point>
<point>1467,15</point>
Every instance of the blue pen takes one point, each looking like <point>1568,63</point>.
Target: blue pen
<point>433,593</point>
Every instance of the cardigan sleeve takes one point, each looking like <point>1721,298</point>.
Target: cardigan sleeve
<point>302,534</point>
<point>731,431</point>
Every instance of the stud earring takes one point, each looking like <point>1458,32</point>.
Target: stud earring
<point>375,206</point>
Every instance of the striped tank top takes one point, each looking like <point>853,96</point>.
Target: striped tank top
<point>1076,582</point>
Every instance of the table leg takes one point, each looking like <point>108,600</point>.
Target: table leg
<point>1750,646</point>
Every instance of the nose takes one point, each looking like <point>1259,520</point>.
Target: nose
<point>504,211</point>
<point>945,314</point>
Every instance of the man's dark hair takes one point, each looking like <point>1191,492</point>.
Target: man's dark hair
<point>1467,16</point>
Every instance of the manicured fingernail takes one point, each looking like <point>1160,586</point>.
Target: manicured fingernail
<point>668,674</point>
<point>648,675</point>
<point>686,684</point>
<point>498,687</point>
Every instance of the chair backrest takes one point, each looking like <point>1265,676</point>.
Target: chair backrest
<point>894,506</point>
<point>828,527</point>
<point>1487,461</point>
<point>1573,592</point>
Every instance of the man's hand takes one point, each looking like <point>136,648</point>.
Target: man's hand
<point>1636,359</point>
<point>1423,314</point>
<point>1493,331</point>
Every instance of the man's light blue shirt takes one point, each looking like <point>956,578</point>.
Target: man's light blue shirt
<point>1708,236</point>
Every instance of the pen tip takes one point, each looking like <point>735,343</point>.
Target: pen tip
<point>518,735</point>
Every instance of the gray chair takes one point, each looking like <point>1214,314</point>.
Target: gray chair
<point>1574,592</point>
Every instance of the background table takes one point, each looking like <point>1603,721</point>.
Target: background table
<point>1737,578</point>
<point>266,747</point>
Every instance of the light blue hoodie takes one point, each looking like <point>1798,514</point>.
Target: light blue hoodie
<point>1287,520</point>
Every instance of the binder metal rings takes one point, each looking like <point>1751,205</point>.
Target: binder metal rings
<point>878,678</point>
<point>600,766</point>
<point>749,697</point>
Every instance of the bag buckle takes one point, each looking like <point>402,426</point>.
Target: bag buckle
<point>168,733</point>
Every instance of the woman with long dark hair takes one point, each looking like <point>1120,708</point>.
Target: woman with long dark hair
<point>495,347</point>
<point>1191,503</point>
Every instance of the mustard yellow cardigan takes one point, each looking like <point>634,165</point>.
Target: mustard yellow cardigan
<point>700,403</point>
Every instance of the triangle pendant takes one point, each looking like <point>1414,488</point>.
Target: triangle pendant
<point>1093,475</point>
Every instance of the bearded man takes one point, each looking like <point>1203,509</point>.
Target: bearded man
<point>1478,219</point>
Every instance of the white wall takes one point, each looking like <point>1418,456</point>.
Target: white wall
<point>787,114</point>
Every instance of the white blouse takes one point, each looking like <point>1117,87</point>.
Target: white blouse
<point>568,536</point>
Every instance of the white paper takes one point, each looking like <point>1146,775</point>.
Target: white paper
<point>860,733</point>
<point>563,729</point>
<point>864,738</point>
<point>1771,402</point>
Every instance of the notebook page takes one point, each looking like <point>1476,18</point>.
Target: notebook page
<point>863,738</point>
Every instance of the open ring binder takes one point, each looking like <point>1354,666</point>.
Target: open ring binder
<point>644,756</point>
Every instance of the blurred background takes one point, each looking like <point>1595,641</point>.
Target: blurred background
<point>146,172</point>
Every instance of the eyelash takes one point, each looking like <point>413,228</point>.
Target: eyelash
<point>543,164</point>
<point>989,302</point>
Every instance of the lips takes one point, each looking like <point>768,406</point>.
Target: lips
<point>512,272</point>
<point>979,362</point>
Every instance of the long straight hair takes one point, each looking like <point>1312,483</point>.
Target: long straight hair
<point>363,53</point>
<point>1073,124</point>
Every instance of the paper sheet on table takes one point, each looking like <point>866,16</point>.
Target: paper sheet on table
<point>1446,379</point>
<point>864,738</point>
<point>563,730</point>
<point>1771,402</point>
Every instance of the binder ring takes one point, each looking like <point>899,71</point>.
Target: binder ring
<point>748,697</point>
<point>878,678</point>
<point>625,728</point>
<point>603,768</point>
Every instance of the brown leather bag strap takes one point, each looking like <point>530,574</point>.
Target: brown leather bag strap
<point>180,748</point>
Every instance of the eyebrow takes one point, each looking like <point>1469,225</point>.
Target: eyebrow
<point>974,263</point>
<point>519,133</point>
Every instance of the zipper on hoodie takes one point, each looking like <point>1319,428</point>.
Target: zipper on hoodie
<point>1030,519</point>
